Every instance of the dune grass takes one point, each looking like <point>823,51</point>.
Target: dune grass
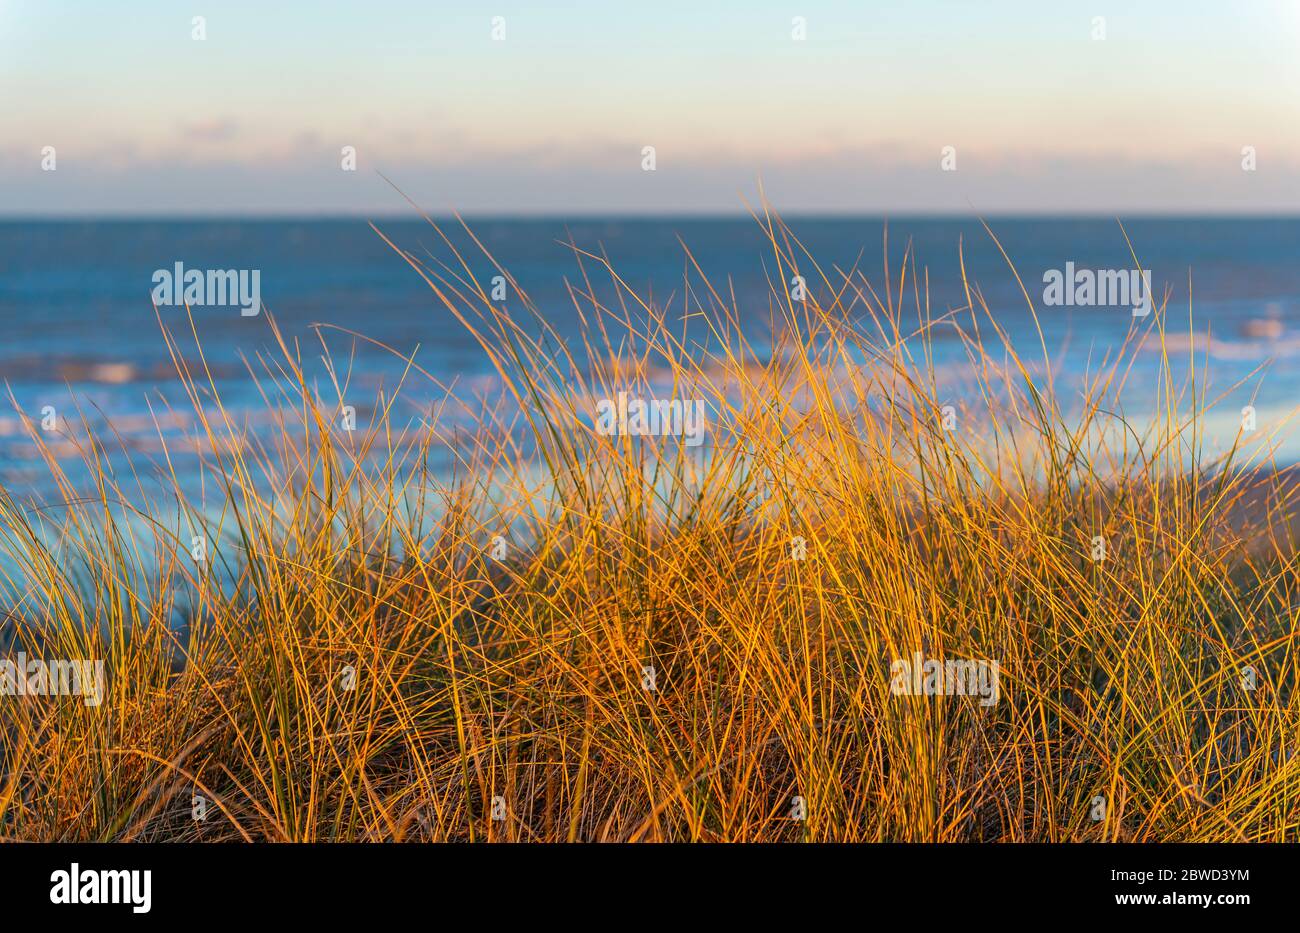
<point>362,660</point>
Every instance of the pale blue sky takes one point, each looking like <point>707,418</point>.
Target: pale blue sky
<point>1043,117</point>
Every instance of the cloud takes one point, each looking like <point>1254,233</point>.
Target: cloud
<point>214,130</point>
<point>306,178</point>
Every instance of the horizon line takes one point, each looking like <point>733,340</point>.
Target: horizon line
<point>635,216</point>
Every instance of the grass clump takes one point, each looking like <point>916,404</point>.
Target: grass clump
<point>445,624</point>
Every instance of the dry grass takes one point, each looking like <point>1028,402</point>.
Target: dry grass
<point>342,559</point>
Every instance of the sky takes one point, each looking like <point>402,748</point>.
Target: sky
<point>1042,114</point>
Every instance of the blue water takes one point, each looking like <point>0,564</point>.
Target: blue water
<point>80,329</point>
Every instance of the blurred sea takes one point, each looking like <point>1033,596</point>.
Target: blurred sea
<point>81,332</point>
